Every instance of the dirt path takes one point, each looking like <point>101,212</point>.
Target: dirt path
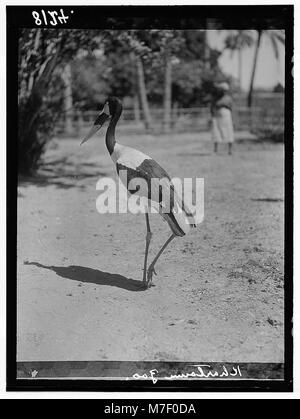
<point>218,295</point>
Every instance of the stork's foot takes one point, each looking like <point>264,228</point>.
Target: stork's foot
<point>150,273</point>
<point>143,286</point>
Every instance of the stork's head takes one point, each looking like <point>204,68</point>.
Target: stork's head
<point>111,107</point>
<point>114,105</point>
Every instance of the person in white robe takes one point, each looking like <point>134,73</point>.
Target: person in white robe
<point>221,111</point>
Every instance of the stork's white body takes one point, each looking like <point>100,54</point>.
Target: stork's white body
<point>133,164</point>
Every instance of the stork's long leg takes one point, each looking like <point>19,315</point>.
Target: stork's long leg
<point>151,267</point>
<point>148,239</point>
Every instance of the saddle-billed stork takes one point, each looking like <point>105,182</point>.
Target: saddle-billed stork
<point>138,165</point>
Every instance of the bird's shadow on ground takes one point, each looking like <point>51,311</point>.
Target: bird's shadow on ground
<point>93,276</point>
<point>196,154</point>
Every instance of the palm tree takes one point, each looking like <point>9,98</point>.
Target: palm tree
<point>237,40</point>
<point>275,37</point>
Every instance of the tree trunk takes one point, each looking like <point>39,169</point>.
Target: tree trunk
<point>206,51</point>
<point>36,46</point>
<point>210,25</point>
<point>143,94</point>
<point>167,96</point>
<point>250,94</point>
<point>136,108</point>
<point>240,67</point>
<point>68,98</point>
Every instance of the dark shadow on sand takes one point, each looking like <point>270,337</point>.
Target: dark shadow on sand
<point>93,276</point>
<point>62,174</point>
<point>196,154</point>
<point>267,199</point>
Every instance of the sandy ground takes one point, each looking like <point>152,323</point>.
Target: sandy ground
<point>218,295</point>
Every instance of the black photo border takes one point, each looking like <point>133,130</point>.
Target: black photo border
<point>147,17</point>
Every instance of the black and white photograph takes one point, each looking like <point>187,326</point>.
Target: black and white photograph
<point>150,207</point>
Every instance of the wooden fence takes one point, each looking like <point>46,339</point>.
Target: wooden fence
<point>182,119</point>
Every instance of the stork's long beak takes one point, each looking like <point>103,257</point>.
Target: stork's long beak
<point>97,125</point>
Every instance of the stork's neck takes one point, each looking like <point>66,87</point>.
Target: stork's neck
<point>110,133</point>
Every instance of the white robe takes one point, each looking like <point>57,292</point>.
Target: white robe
<point>222,126</point>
